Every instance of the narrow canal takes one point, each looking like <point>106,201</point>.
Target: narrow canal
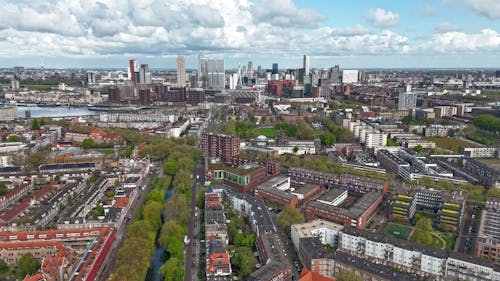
<point>160,255</point>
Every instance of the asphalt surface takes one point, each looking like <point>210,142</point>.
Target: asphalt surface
<point>191,256</point>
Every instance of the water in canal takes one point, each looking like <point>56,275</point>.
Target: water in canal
<point>159,255</point>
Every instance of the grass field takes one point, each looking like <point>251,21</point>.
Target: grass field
<point>398,231</point>
<point>268,132</point>
<point>449,238</point>
<point>436,242</point>
<point>448,143</point>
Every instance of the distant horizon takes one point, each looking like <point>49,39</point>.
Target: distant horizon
<point>280,69</point>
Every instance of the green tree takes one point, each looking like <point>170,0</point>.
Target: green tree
<point>251,115</point>
<point>177,208</point>
<point>263,119</point>
<point>327,138</point>
<point>230,127</point>
<point>244,260</point>
<point>14,138</point>
<point>392,142</point>
<point>36,159</point>
<point>88,143</point>
<point>182,181</point>
<point>27,264</point>
<point>172,269</point>
<point>4,268</point>
<point>290,216</point>
<point>152,213</point>
<point>3,189</point>
<point>306,132</point>
<point>175,247</point>
<point>418,148</point>
<point>171,230</point>
<point>35,124</point>
<point>487,122</point>
<point>170,167</point>
<point>295,149</point>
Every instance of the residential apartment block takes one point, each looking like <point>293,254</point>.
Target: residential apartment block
<point>445,209</point>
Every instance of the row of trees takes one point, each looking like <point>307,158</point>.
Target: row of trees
<point>334,133</point>
<point>323,164</point>
<point>180,165</point>
<point>288,217</point>
<point>487,122</point>
<point>133,258</point>
<point>475,193</point>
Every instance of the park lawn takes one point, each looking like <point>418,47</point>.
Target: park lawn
<point>268,132</point>
<point>398,231</point>
<point>436,242</point>
<point>448,142</point>
<point>449,238</point>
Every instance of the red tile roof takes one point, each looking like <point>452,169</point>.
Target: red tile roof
<point>217,259</point>
<point>36,277</point>
<point>121,202</point>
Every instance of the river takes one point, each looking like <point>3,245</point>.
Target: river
<point>159,255</point>
<point>56,111</point>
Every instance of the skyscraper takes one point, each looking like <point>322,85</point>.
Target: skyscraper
<point>306,65</point>
<point>335,74</point>
<point>131,69</point>
<point>407,99</point>
<point>250,69</point>
<point>181,71</point>
<point>199,74</point>
<point>275,68</point>
<point>213,73</point>
<point>144,74</point>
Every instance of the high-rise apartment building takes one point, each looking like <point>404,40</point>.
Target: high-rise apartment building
<point>213,73</point>
<point>223,147</point>
<point>181,71</point>
<point>250,69</point>
<point>407,99</point>
<point>335,74</point>
<point>199,74</point>
<point>306,64</point>
<point>144,74</point>
<point>131,69</point>
<point>275,68</point>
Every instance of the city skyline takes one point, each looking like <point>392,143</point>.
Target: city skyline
<point>376,34</point>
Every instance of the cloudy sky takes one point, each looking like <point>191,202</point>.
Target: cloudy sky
<point>361,33</point>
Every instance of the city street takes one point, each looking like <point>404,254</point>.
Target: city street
<point>192,250</point>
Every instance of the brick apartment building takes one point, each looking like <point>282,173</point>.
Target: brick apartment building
<point>223,147</point>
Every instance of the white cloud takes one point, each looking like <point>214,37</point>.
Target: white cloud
<point>485,40</point>
<point>445,27</point>
<point>382,18</point>
<point>487,8</point>
<point>79,29</point>
<point>284,13</point>
<point>357,29</point>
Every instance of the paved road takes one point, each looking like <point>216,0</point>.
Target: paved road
<point>192,250</point>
